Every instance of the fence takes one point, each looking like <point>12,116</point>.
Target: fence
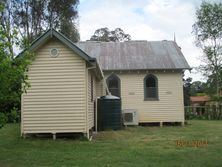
<point>211,112</point>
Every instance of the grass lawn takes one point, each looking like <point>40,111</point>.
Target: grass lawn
<point>135,146</point>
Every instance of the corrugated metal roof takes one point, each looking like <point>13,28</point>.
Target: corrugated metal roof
<point>135,55</point>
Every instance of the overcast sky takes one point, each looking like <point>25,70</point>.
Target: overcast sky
<point>145,20</point>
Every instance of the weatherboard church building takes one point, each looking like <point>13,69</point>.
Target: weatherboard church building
<point>66,78</point>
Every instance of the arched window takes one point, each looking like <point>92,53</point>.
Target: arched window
<point>113,83</point>
<point>150,87</point>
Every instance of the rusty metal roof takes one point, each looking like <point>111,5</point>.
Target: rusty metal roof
<point>136,55</point>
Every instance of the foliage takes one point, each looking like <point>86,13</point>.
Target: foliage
<point>211,112</point>
<point>186,90</point>
<point>105,35</point>
<point>69,30</point>
<point>208,32</point>
<point>3,119</point>
<point>12,76</point>
<point>132,147</point>
<point>12,72</point>
<point>32,17</point>
<point>197,88</point>
<point>210,85</point>
<point>13,116</point>
<point>189,115</point>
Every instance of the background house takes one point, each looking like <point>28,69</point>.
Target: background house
<point>198,100</point>
<point>198,104</point>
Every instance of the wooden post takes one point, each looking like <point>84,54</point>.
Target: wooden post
<point>161,124</point>
<point>54,136</point>
<point>182,123</point>
<point>24,136</point>
<point>96,125</point>
<point>86,135</point>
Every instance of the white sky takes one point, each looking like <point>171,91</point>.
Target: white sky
<point>145,20</point>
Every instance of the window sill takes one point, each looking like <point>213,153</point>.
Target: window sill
<point>151,99</point>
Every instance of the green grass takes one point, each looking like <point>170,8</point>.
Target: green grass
<point>136,146</point>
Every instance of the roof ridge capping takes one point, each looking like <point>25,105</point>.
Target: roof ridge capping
<point>164,40</point>
<point>139,40</point>
<point>88,41</point>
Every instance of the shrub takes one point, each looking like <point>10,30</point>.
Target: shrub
<point>204,113</point>
<point>3,120</point>
<point>189,114</point>
<point>13,116</point>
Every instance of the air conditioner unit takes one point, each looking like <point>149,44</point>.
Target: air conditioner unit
<point>130,117</point>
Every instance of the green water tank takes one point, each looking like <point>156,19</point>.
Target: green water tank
<point>109,115</point>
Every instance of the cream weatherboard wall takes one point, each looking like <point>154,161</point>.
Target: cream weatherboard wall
<point>57,99</point>
<point>169,107</point>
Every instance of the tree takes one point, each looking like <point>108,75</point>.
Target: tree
<point>62,15</point>
<point>105,35</point>
<point>32,17</point>
<point>12,74</point>
<point>186,90</point>
<point>208,33</point>
<point>7,24</point>
<point>192,89</point>
<point>69,30</point>
<point>210,85</point>
<point>197,87</point>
